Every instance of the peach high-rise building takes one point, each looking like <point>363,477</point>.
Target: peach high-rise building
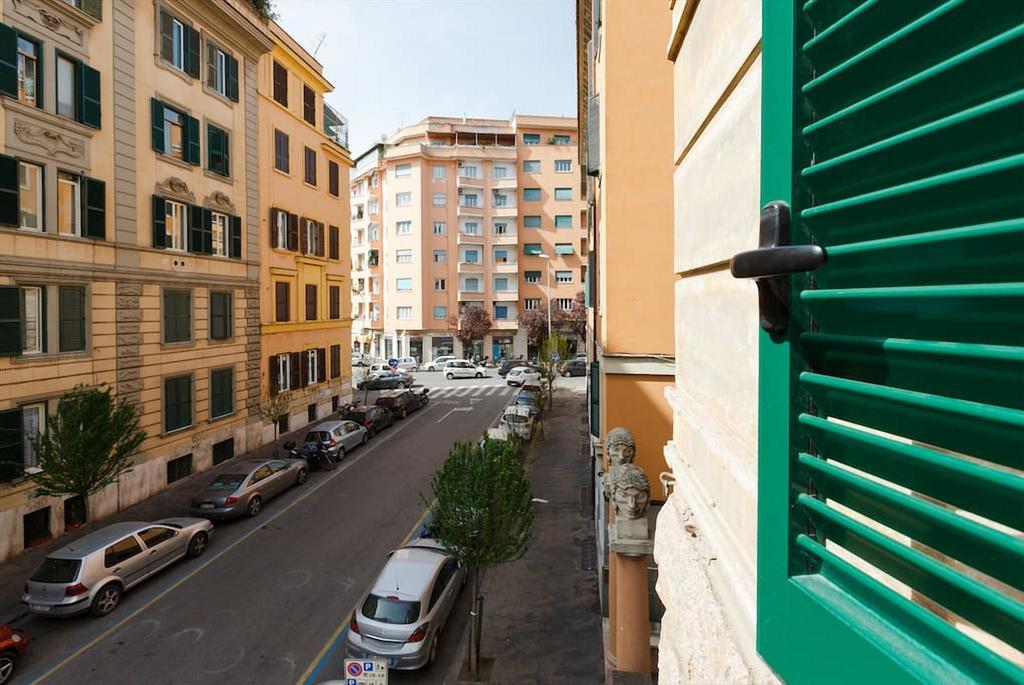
<point>367,322</point>
<point>484,212</point>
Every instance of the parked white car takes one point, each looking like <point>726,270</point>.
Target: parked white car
<point>408,364</point>
<point>522,376</point>
<point>463,368</point>
<point>517,420</point>
<point>437,364</point>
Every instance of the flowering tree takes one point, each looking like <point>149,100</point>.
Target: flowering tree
<point>535,323</point>
<point>574,318</point>
<point>472,324</point>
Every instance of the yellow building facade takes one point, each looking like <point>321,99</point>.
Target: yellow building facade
<point>305,284</point>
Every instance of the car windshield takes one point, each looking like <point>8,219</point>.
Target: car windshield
<point>56,571</point>
<point>227,481</point>
<point>515,418</point>
<point>385,401</point>
<point>355,415</point>
<point>391,610</point>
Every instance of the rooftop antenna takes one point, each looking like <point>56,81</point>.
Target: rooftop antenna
<point>322,36</point>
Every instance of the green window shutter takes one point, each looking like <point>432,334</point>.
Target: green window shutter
<point>156,110</point>
<point>232,77</point>
<point>192,141</point>
<point>72,318</point>
<point>200,230</point>
<point>177,402</point>
<point>594,383</point>
<point>220,316</point>
<point>88,95</point>
<point>93,7</point>
<point>10,214</point>
<point>222,392</point>
<point>177,316</point>
<point>594,135</point>
<point>166,36</point>
<point>235,240</point>
<point>891,414</point>
<point>218,150</point>
<point>12,449</point>
<point>192,59</point>
<point>159,221</point>
<point>10,321</point>
<point>8,61</point>
<point>94,208</point>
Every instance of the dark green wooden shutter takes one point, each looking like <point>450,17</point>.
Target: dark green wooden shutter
<point>8,61</point>
<point>156,110</point>
<point>272,373</point>
<point>335,243</point>
<point>220,316</point>
<point>10,213</point>
<point>10,321</point>
<point>93,7</point>
<point>231,80</point>
<point>72,318</point>
<point>594,135</point>
<point>221,392</point>
<point>192,57</point>
<point>235,240</point>
<point>12,448</point>
<point>94,208</point>
<point>892,408</point>
<point>166,36</point>
<point>218,150</point>
<point>200,230</point>
<point>192,155</point>
<point>594,383</point>
<point>295,371</point>
<point>88,95</point>
<point>321,364</point>
<point>177,402</point>
<point>159,221</point>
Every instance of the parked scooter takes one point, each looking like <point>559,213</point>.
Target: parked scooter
<point>424,398</point>
<point>316,454</point>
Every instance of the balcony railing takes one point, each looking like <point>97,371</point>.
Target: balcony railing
<point>335,126</point>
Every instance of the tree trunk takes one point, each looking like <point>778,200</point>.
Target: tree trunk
<point>474,626</point>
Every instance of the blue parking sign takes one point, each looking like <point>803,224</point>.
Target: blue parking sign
<point>368,666</point>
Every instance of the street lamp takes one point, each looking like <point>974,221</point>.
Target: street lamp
<point>547,287</point>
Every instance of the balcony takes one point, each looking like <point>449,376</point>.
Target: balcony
<point>505,268</point>
<point>506,295</point>
<point>469,181</point>
<point>505,238</point>
<point>507,183</point>
<point>506,210</point>
<point>335,126</point>
<point>464,294</point>
<point>469,239</point>
<point>470,267</point>
<point>469,210</point>
<point>505,324</point>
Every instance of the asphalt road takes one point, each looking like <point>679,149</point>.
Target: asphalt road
<point>269,597</point>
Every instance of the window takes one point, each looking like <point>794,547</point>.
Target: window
<point>403,199</point>
<point>125,549</point>
<point>440,313</point>
<point>313,365</point>
<point>175,226</point>
<point>174,134</point>
<point>32,320</point>
<point>177,316</point>
<point>172,40</point>
<point>309,105</point>
<point>30,196</point>
<point>440,256</point>
<point>563,277</point>
<point>282,299</point>
<point>563,248</point>
<point>374,234</point>
<point>221,71</point>
<point>531,139</point>
<point>313,233</point>
<point>469,200</point>
<point>560,140</point>
<point>280,84</point>
<point>372,207</point>
<point>281,161</point>
<point>220,316</point>
<point>311,302</point>
<point>501,283</point>
<point>471,256</point>
<point>440,284</point>
<point>334,246</point>
<point>335,371</point>
<point>563,166</point>
<point>501,228</point>
<point>69,204</point>
<point>218,150</point>
<point>501,256</point>
<point>531,276</point>
<point>531,194</point>
<point>310,157</point>
<point>563,193</point>
<point>33,422</point>
<point>403,256</point>
<point>471,285</point>
<point>403,313</point>
<point>177,403</point>
<point>403,285</point>
<point>334,300</point>
<point>71,318</point>
<point>531,221</point>
<point>471,228</point>
<point>500,200</point>
<point>438,172</point>
<point>440,199</point>
<point>155,535</point>
<point>563,221</point>
<point>332,179</point>
<point>531,248</point>
<point>469,171</point>
<point>500,311</point>
<point>222,392</point>
<point>531,303</point>
<point>223,450</point>
<point>28,65</point>
<point>440,228</point>
<point>219,233</point>
<point>282,364</point>
<point>531,166</point>
<point>281,234</point>
<point>67,96</point>
<point>499,172</point>
<point>403,227</point>
<point>563,303</point>
<point>402,170</point>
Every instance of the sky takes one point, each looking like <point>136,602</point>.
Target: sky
<point>394,62</point>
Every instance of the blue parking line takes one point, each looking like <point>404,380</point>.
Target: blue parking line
<point>339,642</point>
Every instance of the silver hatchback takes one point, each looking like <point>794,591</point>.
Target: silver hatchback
<point>91,573</point>
<point>404,613</point>
<point>246,485</point>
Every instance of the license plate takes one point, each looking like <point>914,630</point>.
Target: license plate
<point>206,505</point>
<point>39,607</point>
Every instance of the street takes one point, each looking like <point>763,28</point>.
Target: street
<point>270,600</point>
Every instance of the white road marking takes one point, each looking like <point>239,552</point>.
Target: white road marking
<point>452,410</point>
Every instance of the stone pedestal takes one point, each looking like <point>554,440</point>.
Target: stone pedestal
<point>632,625</point>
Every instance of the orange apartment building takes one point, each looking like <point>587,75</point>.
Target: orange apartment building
<point>483,212</point>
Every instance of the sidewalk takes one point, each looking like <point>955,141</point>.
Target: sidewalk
<point>541,617</point>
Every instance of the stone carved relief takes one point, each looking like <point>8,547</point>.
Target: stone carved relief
<point>631,493</point>
<point>220,201</point>
<point>176,188</point>
<point>620,446</point>
<point>54,142</point>
<point>50,21</point>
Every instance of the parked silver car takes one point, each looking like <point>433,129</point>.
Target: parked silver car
<point>404,613</point>
<point>91,573</point>
<point>242,489</point>
<point>341,437</point>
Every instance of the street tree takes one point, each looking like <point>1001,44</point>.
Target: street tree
<point>272,407</point>
<point>360,376</point>
<point>472,324</point>
<point>88,443</point>
<point>535,323</point>
<point>483,514</point>
<point>553,351</point>
<point>573,319</point>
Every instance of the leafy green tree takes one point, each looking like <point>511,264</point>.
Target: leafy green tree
<point>483,514</point>
<point>554,345</point>
<point>272,407</point>
<point>87,444</point>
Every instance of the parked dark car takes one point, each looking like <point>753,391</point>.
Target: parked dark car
<point>573,367</point>
<point>373,418</point>
<point>530,399</point>
<point>401,403</point>
<point>387,381</point>
<point>509,364</point>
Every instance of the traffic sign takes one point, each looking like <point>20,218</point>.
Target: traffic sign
<point>371,671</point>
<point>555,356</point>
<point>393,363</point>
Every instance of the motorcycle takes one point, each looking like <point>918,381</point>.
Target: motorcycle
<point>424,398</point>
<point>316,454</point>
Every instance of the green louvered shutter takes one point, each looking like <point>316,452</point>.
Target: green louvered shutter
<point>159,221</point>
<point>235,238</point>
<point>192,60</point>
<point>156,110</point>
<point>93,7</point>
<point>891,441</point>
<point>10,321</point>
<point>88,95</point>
<point>8,61</point>
<point>94,208</point>
<point>10,212</point>
<point>231,81</point>
<point>192,155</point>
<point>12,448</point>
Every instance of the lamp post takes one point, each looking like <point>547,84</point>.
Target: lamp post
<point>547,286</point>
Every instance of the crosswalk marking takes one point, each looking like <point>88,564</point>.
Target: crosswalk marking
<point>471,391</point>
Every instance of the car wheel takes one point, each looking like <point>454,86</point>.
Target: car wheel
<point>197,545</point>
<point>479,375</point>
<point>302,477</point>
<point>450,376</point>
<point>566,374</point>
<point>404,413</point>
<point>340,455</point>
<point>254,506</point>
<point>8,665</point>
<point>106,599</point>
<point>433,652</point>
<point>366,437</point>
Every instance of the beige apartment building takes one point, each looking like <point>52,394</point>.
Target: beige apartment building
<point>367,294</point>
<point>304,269</point>
<point>483,212</point>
